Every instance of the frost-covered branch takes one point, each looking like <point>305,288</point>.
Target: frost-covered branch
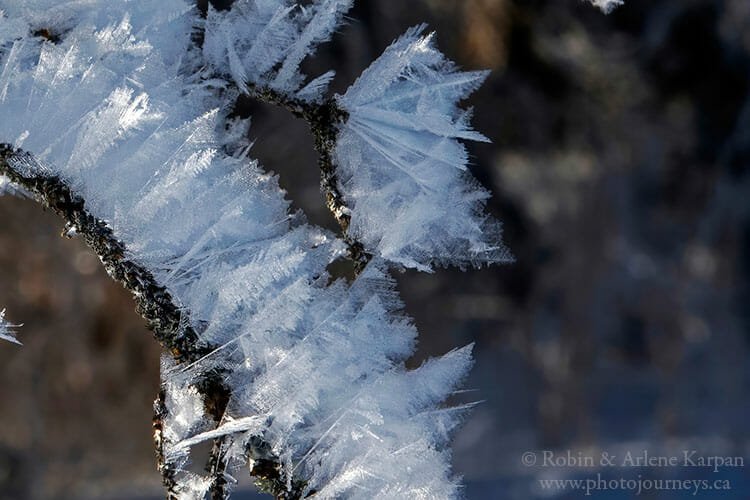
<point>154,303</point>
<point>125,126</point>
<point>394,169</point>
<point>164,318</point>
<point>233,283</point>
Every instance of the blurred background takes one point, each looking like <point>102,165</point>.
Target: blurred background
<point>619,166</point>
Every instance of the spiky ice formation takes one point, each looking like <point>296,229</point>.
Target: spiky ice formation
<point>263,42</point>
<point>402,169</point>
<point>7,329</point>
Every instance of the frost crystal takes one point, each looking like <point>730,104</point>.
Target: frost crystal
<point>7,329</point>
<point>403,170</point>
<point>263,42</point>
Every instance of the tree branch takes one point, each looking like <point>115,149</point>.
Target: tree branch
<point>165,469</point>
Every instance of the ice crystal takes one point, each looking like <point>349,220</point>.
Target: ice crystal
<point>403,170</point>
<point>263,42</point>
<point>7,330</point>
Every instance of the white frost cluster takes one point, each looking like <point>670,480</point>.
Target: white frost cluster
<point>263,42</point>
<point>120,107</point>
<point>7,330</point>
<point>403,171</point>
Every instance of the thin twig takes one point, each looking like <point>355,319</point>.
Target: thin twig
<point>323,119</point>
<point>165,469</point>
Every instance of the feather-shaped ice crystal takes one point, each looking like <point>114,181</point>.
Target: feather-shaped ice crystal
<point>403,170</point>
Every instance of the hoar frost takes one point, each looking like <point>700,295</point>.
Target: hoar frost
<point>124,108</point>
<point>403,170</point>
